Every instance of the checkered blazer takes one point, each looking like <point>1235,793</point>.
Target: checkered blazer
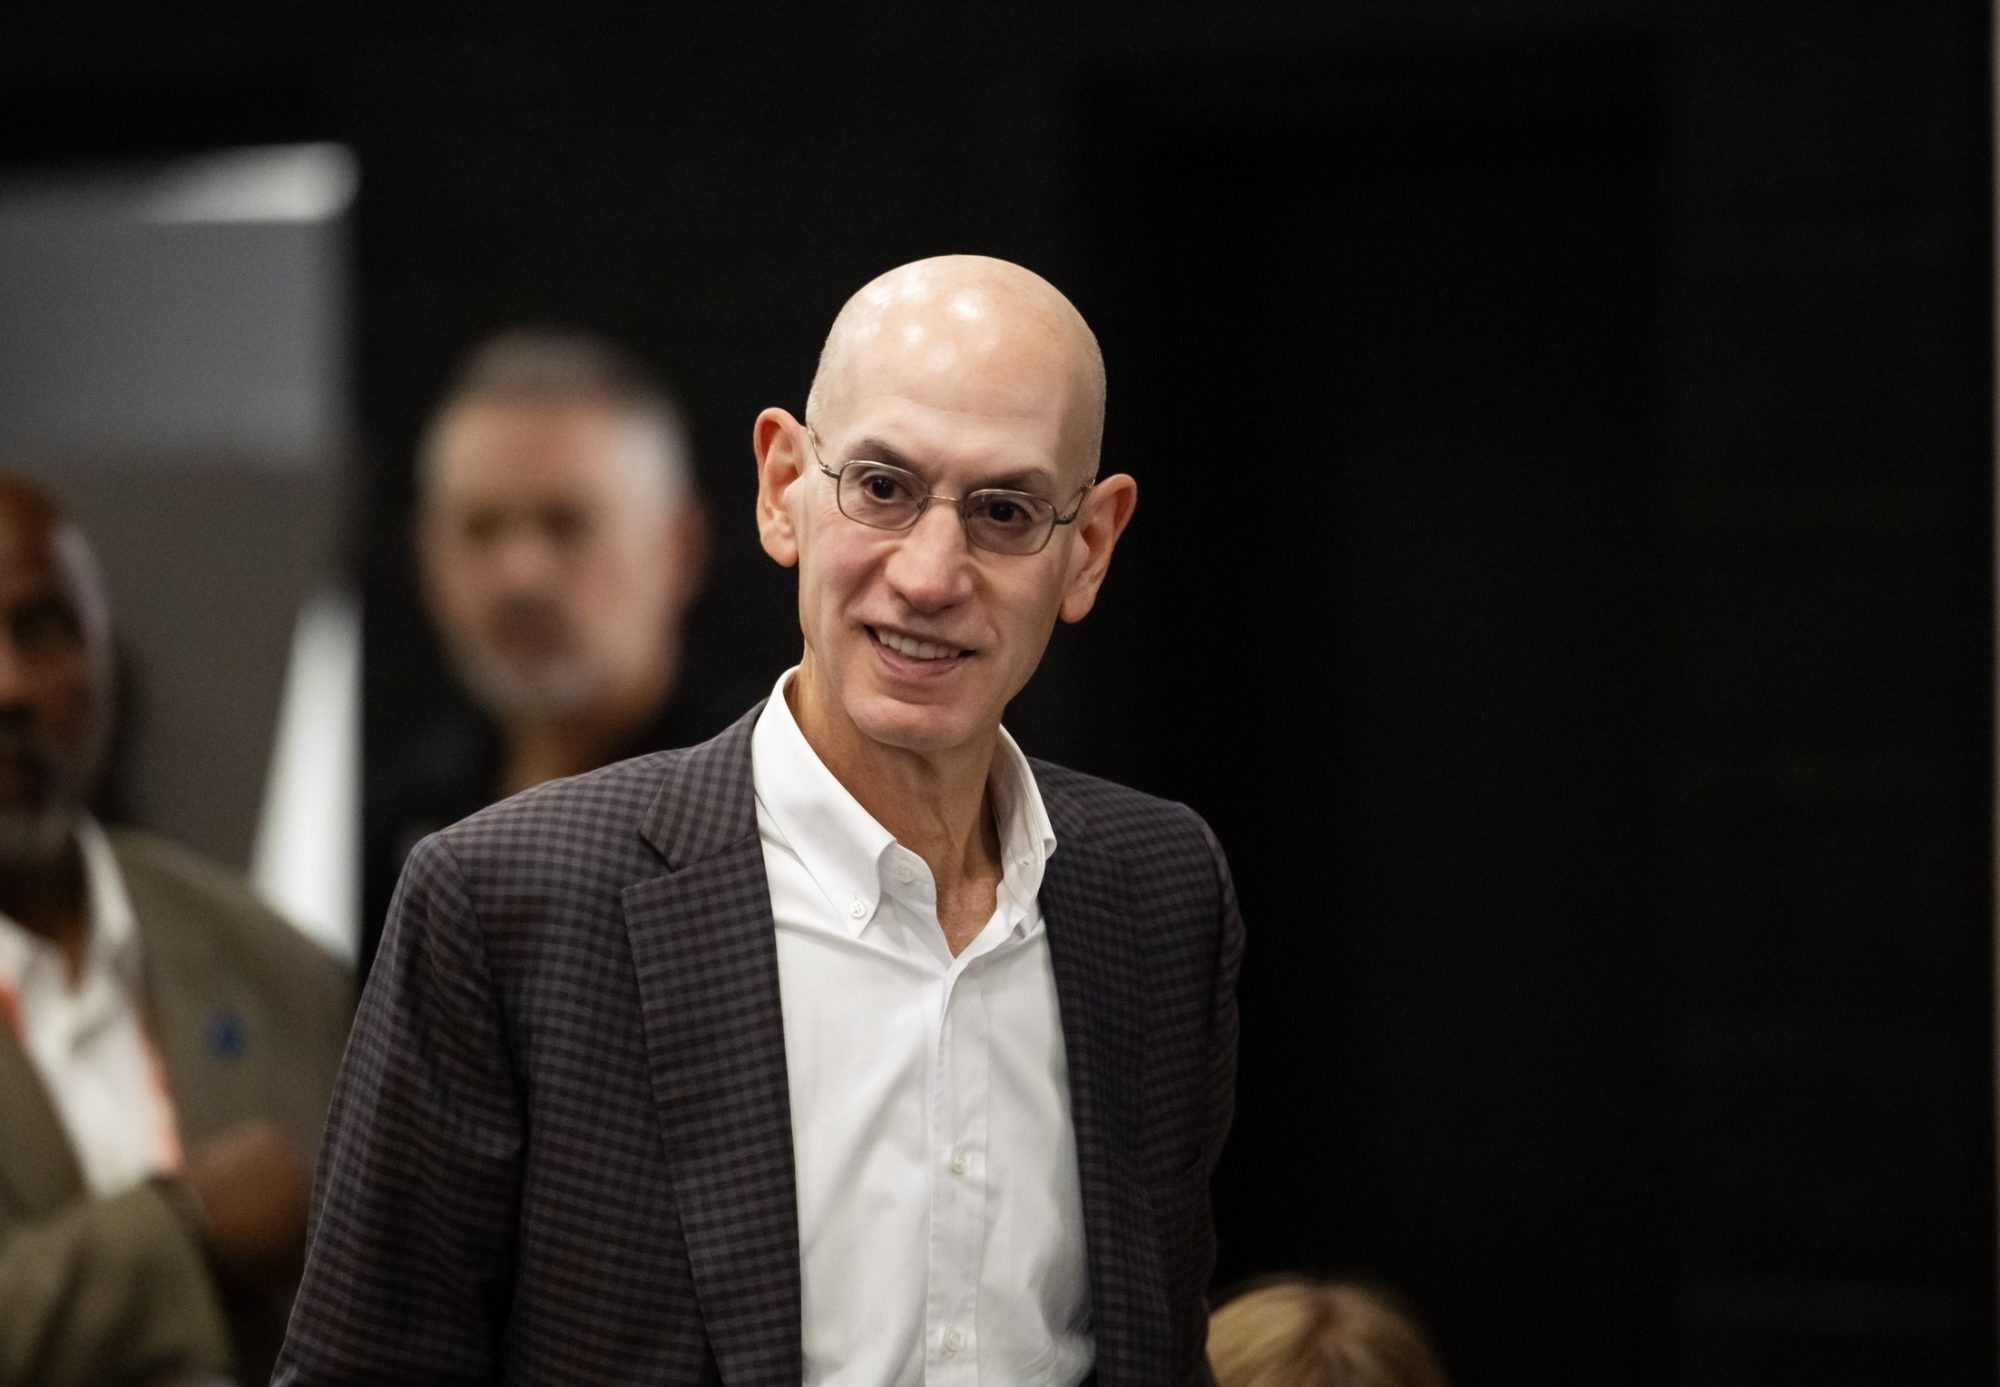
<point>560,1148</point>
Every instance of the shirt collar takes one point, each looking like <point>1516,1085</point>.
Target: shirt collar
<point>837,840</point>
<point>840,843</point>
<point>1027,838</point>
<point>114,932</point>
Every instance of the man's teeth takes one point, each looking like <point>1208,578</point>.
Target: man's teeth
<point>914,649</point>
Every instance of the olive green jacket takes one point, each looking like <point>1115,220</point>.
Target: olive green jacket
<point>249,1018</point>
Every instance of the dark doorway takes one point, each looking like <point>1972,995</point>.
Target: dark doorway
<point>1389,340</point>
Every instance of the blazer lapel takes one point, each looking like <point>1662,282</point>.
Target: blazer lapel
<point>705,950</point>
<point>187,984</point>
<point>1093,949</point>
<point>38,1171</point>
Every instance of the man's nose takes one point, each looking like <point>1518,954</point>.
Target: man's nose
<point>931,567</point>
<point>524,557</point>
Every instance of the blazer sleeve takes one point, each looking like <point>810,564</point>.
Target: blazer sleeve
<point>410,1256</point>
<point>1222,1019</point>
<point>107,1290</point>
<point>1219,1088</point>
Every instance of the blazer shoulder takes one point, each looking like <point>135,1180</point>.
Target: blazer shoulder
<point>177,889</point>
<point>605,814</point>
<point>1114,814</point>
<point>613,793</point>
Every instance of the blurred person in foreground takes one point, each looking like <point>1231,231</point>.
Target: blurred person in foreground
<point>167,1044</point>
<point>560,542</point>
<point>851,1046</point>
<point>1300,1333</point>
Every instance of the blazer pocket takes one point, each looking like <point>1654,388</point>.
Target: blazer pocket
<point>1183,1202</point>
<point>1188,1162</point>
<point>1184,1219</point>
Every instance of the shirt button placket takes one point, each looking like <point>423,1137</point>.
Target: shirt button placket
<point>962,1195</point>
<point>952,1268</point>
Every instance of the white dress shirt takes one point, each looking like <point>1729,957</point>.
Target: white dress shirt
<point>89,1042</point>
<point>940,1224</point>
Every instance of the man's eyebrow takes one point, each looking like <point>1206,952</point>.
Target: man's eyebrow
<point>46,603</point>
<point>1019,479</point>
<point>875,450</point>
<point>1032,479</point>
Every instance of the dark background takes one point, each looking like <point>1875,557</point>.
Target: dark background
<point>1563,576</point>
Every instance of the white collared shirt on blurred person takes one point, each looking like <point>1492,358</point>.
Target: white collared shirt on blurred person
<point>89,1042</point>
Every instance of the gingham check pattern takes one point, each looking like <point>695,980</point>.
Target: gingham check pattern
<point>560,1148</point>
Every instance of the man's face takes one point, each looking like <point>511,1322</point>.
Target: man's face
<point>544,540</point>
<point>54,687</point>
<point>916,640</point>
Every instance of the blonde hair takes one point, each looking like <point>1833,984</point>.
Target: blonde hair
<point>1299,1333</point>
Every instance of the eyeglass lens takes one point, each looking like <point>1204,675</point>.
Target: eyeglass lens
<point>888,498</point>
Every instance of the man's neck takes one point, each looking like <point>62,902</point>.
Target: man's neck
<point>937,806</point>
<point>533,750</point>
<point>46,897</point>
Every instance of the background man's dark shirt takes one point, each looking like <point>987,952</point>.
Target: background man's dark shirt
<point>453,770</point>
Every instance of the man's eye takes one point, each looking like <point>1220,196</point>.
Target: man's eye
<point>878,486</point>
<point>42,625</point>
<point>480,527</point>
<point>562,525</point>
<point>1008,512</point>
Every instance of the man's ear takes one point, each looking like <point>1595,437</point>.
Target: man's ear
<point>1107,510</point>
<point>426,562</point>
<point>780,465</point>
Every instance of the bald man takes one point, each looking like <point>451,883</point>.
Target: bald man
<point>167,1045</point>
<point>852,1047</point>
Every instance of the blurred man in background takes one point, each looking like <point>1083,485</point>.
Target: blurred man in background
<point>561,542</point>
<point>166,1043</point>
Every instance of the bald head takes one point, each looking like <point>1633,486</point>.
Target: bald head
<point>942,505</point>
<point>997,333</point>
<point>55,673</point>
<point>36,535</point>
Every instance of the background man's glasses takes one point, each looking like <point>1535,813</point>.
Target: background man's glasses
<point>886,497</point>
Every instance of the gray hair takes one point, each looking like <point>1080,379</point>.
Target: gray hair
<point>548,365</point>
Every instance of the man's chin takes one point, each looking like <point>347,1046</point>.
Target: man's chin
<point>542,690</point>
<point>919,728</point>
<point>33,836</point>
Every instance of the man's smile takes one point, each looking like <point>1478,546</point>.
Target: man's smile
<point>914,647</point>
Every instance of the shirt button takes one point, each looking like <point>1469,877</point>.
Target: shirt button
<point>1027,862</point>
<point>857,908</point>
<point>953,1341</point>
<point>904,871</point>
<point>958,1160</point>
